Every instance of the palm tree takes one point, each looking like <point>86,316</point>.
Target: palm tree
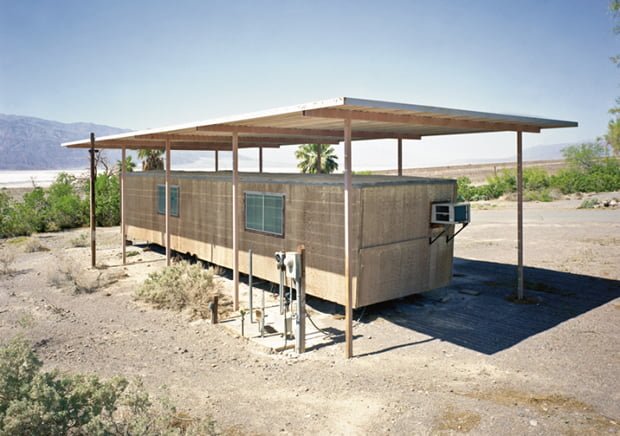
<point>151,159</point>
<point>316,158</point>
<point>130,165</point>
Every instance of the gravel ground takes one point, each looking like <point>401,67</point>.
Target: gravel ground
<point>456,360</point>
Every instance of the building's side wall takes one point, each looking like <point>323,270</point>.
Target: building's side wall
<point>313,216</point>
<point>395,256</point>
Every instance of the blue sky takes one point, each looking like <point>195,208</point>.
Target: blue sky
<point>146,64</point>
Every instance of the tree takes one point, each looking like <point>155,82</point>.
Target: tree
<point>316,158</point>
<point>130,165</point>
<point>613,128</point>
<point>151,159</point>
<point>584,157</point>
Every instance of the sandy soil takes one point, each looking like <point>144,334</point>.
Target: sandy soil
<point>456,360</point>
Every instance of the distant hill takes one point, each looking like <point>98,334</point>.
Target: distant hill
<point>28,143</point>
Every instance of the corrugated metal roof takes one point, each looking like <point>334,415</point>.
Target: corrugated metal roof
<point>322,121</point>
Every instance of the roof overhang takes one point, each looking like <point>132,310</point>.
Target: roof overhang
<point>322,122</point>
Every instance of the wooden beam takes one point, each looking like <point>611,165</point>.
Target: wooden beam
<point>520,283</point>
<point>260,159</point>
<point>178,139</point>
<point>308,133</point>
<point>400,156</point>
<point>235,220</point>
<point>419,120</point>
<point>217,160</point>
<point>93,203</point>
<point>348,187</point>
<point>167,194</point>
<point>123,226</point>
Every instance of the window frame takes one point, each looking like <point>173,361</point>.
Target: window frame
<point>245,213</point>
<point>172,187</point>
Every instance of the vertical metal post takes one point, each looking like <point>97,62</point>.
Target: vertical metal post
<point>319,165</point>
<point>235,225</point>
<point>348,186</point>
<point>260,159</point>
<point>520,283</point>
<point>93,203</point>
<point>250,290</point>
<point>400,156</point>
<point>123,229</point>
<point>167,193</point>
<point>300,333</point>
<point>217,160</point>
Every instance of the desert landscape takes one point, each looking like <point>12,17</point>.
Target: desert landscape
<point>460,359</point>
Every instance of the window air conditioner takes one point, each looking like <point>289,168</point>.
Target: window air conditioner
<point>450,213</point>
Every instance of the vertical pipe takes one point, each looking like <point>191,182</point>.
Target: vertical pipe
<point>93,203</point>
<point>250,291</point>
<point>348,185</point>
<point>217,160</point>
<point>235,236</point>
<point>167,194</point>
<point>300,334</point>
<point>520,214</point>
<point>123,229</point>
<point>400,156</point>
<point>260,159</point>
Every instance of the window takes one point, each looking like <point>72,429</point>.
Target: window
<point>174,200</point>
<point>264,212</point>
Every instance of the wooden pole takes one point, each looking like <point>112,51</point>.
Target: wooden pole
<point>123,229</point>
<point>93,203</point>
<point>167,194</point>
<point>260,159</point>
<point>348,185</point>
<point>217,160</point>
<point>400,156</point>
<point>319,166</point>
<point>520,283</point>
<point>235,224</point>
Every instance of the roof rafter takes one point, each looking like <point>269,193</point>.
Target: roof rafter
<point>422,120</point>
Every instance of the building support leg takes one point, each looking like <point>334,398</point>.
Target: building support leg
<point>235,224</point>
<point>520,284</point>
<point>167,194</point>
<point>400,156</point>
<point>347,240</point>
<point>123,227</point>
<point>93,203</point>
<point>217,160</point>
<point>260,159</point>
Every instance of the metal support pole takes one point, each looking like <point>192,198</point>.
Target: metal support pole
<point>281,292</point>
<point>348,186</point>
<point>400,156</point>
<point>123,229</point>
<point>235,224</point>
<point>93,203</point>
<point>250,291</point>
<point>260,159</point>
<point>319,165</point>
<point>167,193</point>
<point>300,331</point>
<point>520,283</point>
<point>217,160</point>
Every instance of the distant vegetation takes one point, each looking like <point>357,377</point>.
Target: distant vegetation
<point>64,205</point>
<point>588,169</point>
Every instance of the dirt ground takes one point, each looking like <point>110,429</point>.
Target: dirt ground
<point>455,360</point>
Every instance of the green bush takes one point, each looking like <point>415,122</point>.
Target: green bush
<point>35,402</point>
<point>108,192</point>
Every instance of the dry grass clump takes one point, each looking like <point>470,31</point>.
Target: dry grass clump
<point>34,245</point>
<point>67,273</point>
<point>181,286</point>
<point>80,241</point>
<point>7,258</point>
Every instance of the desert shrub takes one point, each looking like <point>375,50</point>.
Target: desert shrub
<point>7,257</point>
<point>589,203</point>
<point>180,286</point>
<point>543,195</point>
<point>108,192</point>
<point>33,245</point>
<point>80,241</point>
<point>37,402</point>
<point>67,206</point>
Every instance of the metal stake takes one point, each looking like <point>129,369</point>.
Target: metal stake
<point>251,291</point>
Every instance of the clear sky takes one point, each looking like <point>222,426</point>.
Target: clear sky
<point>146,64</point>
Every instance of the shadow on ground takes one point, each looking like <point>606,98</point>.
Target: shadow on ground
<point>489,322</point>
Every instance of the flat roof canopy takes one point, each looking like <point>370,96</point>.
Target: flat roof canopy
<point>322,122</point>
